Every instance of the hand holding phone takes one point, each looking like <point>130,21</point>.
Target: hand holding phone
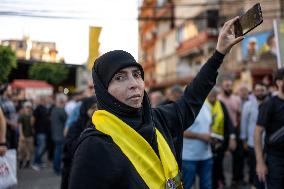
<point>226,39</point>
<point>250,20</point>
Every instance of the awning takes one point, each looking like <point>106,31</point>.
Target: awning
<point>25,83</point>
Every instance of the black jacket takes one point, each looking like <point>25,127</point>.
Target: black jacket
<point>100,164</point>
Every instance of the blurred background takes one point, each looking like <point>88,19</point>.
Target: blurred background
<point>171,39</point>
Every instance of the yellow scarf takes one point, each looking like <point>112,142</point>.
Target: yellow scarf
<point>156,173</point>
<point>217,126</point>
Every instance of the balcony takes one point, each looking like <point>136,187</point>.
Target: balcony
<point>190,45</point>
<point>165,10</point>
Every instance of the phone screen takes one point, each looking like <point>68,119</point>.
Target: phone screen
<point>251,19</point>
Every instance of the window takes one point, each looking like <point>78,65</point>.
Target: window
<point>160,2</point>
<point>164,43</point>
<point>21,44</point>
<point>180,34</point>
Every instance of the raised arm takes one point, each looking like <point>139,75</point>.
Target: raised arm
<point>198,90</point>
<point>184,111</point>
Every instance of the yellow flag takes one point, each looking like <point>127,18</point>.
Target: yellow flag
<point>94,45</point>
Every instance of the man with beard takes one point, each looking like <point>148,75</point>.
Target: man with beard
<point>233,105</point>
<point>231,101</point>
<point>248,123</point>
<point>130,144</point>
<point>271,120</point>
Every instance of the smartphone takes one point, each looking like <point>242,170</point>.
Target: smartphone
<point>250,20</point>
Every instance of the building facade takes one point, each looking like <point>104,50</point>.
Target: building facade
<point>26,49</point>
<point>178,36</point>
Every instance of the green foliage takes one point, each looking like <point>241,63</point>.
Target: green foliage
<point>50,72</point>
<point>8,61</point>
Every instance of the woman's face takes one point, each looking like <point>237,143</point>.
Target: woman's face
<point>127,86</point>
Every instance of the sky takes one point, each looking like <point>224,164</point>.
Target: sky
<point>67,22</point>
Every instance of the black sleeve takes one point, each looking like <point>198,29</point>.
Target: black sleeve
<point>264,114</point>
<point>183,112</point>
<point>95,165</point>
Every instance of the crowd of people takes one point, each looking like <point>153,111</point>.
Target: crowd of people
<point>226,124</point>
<point>115,134</point>
<point>39,126</point>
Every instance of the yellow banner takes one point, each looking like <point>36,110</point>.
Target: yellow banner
<point>94,45</point>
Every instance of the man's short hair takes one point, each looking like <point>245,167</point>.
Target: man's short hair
<point>215,90</point>
<point>259,83</point>
<point>279,74</point>
<point>177,89</point>
<point>3,88</point>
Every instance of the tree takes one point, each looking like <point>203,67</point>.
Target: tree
<point>50,72</point>
<point>8,61</point>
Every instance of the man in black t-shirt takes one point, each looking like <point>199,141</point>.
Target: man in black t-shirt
<point>271,120</point>
<point>41,124</point>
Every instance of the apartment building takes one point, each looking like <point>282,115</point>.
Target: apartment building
<point>178,36</point>
<point>26,49</point>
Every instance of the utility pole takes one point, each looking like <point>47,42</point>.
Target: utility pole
<point>281,9</point>
<point>172,13</point>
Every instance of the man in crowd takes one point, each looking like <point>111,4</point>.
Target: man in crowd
<point>233,105</point>
<point>248,123</point>
<point>58,119</point>
<point>172,94</point>
<point>9,112</point>
<point>271,120</point>
<point>224,139</point>
<point>197,152</point>
<point>156,97</point>
<point>41,123</point>
<point>26,135</point>
<point>231,101</point>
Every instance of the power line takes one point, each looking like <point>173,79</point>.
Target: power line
<point>68,15</point>
<point>202,17</point>
<point>28,14</point>
<point>164,18</point>
<point>229,3</point>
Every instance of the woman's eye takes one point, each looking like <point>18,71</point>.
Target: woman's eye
<point>137,75</point>
<point>119,78</point>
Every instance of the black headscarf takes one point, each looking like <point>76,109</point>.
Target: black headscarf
<point>105,67</point>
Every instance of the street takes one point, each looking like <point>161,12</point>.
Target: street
<point>43,179</point>
<point>46,179</point>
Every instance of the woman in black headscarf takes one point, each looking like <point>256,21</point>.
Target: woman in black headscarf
<point>130,144</point>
